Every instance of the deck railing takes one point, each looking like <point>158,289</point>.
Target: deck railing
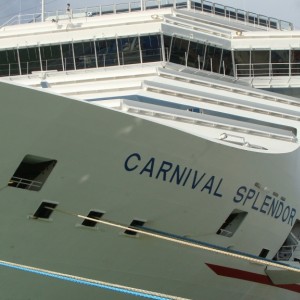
<point>203,6</point>
<point>24,183</point>
<point>267,69</point>
<point>81,62</point>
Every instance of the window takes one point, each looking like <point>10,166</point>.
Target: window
<point>32,173</point>
<point>196,55</point>
<point>280,62</point>
<point>179,51</point>
<point>29,60</point>
<point>129,50</point>
<point>93,215</point>
<point>232,223</point>
<point>85,55</point>
<point>68,59</point>
<point>242,61</point>
<point>260,60</point>
<point>264,252</point>
<point>45,210</point>
<point>136,224</point>
<point>51,58</point>
<point>9,64</point>
<point>107,54</point>
<point>151,48</point>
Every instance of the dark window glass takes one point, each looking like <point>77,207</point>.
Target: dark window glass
<point>32,173</point>
<point>295,59</point>
<point>196,55</point>
<point>45,210</point>
<point>135,224</point>
<point>12,66</point>
<point>107,53</point>
<point>226,63</point>
<point>212,59</point>
<point>167,46</point>
<point>92,215</point>
<point>151,48</point>
<point>260,60</point>
<point>280,62</point>
<point>264,252</point>
<point>51,57</point>
<point>179,51</point>
<point>242,61</point>
<point>129,50</point>
<point>68,57</point>
<point>29,60</point>
<point>85,55</point>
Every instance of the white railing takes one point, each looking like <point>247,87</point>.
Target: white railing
<point>80,62</point>
<point>24,183</point>
<point>267,69</point>
<point>196,5</point>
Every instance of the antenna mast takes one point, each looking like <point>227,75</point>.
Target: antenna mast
<point>43,10</point>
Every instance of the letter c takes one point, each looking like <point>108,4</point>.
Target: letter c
<point>132,168</point>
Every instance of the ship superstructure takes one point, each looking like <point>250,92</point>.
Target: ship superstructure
<point>145,153</point>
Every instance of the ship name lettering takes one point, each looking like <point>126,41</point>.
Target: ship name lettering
<point>174,173</point>
<point>269,205</point>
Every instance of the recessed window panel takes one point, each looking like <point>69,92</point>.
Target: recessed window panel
<point>232,223</point>
<point>135,224</point>
<point>92,215</point>
<point>32,173</point>
<point>45,210</point>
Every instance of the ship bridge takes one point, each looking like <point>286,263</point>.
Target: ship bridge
<point>262,51</point>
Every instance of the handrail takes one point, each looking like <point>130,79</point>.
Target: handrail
<point>25,183</point>
<point>197,5</point>
<point>267,69</point>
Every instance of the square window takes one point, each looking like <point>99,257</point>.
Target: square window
<point>32,173</point>
<point>93,215</point>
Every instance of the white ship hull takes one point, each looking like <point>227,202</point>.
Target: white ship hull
<point>103,164</point>
<point>140,159</point>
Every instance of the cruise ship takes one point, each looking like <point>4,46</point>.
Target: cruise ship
<point>150,150</point>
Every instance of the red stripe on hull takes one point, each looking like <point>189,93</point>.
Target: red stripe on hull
<point>253,277</point>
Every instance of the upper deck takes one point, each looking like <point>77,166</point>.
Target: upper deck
<point>204,6</point>
<point>197,34</point>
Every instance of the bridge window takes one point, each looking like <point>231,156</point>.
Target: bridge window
<point>68,60</point>
<point>280,62</point>
<point>226,63</point>
<point>29,60</point>
<point>167,45</point>
<point>51,58</point>
<point>242,61</point>
<point>196,55</point>
<point>260,60</point>
<point>179,51</point>
<point>85,55</point>
<point>9,64</point>
<point>295,59</point>
<point>212,59</point>
<point>129,50</point>
<point>107,54</point>
<point>151,48</point>
<point>32,173</point>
